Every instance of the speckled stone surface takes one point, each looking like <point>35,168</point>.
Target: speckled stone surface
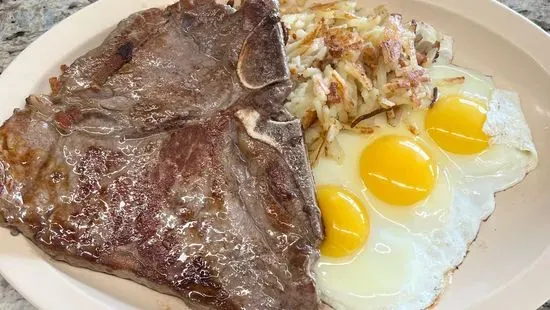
<point>536,10</point>
<point>22,21</point>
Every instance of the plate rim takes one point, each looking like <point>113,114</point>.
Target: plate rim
<point>502,20</point>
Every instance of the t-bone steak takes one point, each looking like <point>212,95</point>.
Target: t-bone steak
<point>165,156</point>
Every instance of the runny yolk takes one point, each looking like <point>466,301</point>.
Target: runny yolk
<point>397,170</point>
<point>345,219</point>
<point>456,124</point>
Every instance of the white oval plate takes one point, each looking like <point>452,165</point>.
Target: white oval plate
<point>508,266</point>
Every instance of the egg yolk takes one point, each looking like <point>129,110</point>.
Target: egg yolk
<point>345,219</point>
<point>456,125</point>
<point>397,170</point>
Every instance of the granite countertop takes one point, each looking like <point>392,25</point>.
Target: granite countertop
<point>22,21</point>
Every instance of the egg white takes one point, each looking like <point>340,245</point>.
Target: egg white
<point>411,250</point>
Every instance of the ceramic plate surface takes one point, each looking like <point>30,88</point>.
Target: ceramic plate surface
<point>508,266</point>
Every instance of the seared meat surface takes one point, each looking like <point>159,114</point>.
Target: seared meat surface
<point>165,156</point>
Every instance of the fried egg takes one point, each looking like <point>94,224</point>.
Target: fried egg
<point>404,204</point>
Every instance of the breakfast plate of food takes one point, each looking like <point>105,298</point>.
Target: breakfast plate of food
<point>163,154</point>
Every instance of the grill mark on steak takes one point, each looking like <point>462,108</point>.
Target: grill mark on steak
<point>144,162</point>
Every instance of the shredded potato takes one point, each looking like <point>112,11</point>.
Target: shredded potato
<point>346,65</point>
